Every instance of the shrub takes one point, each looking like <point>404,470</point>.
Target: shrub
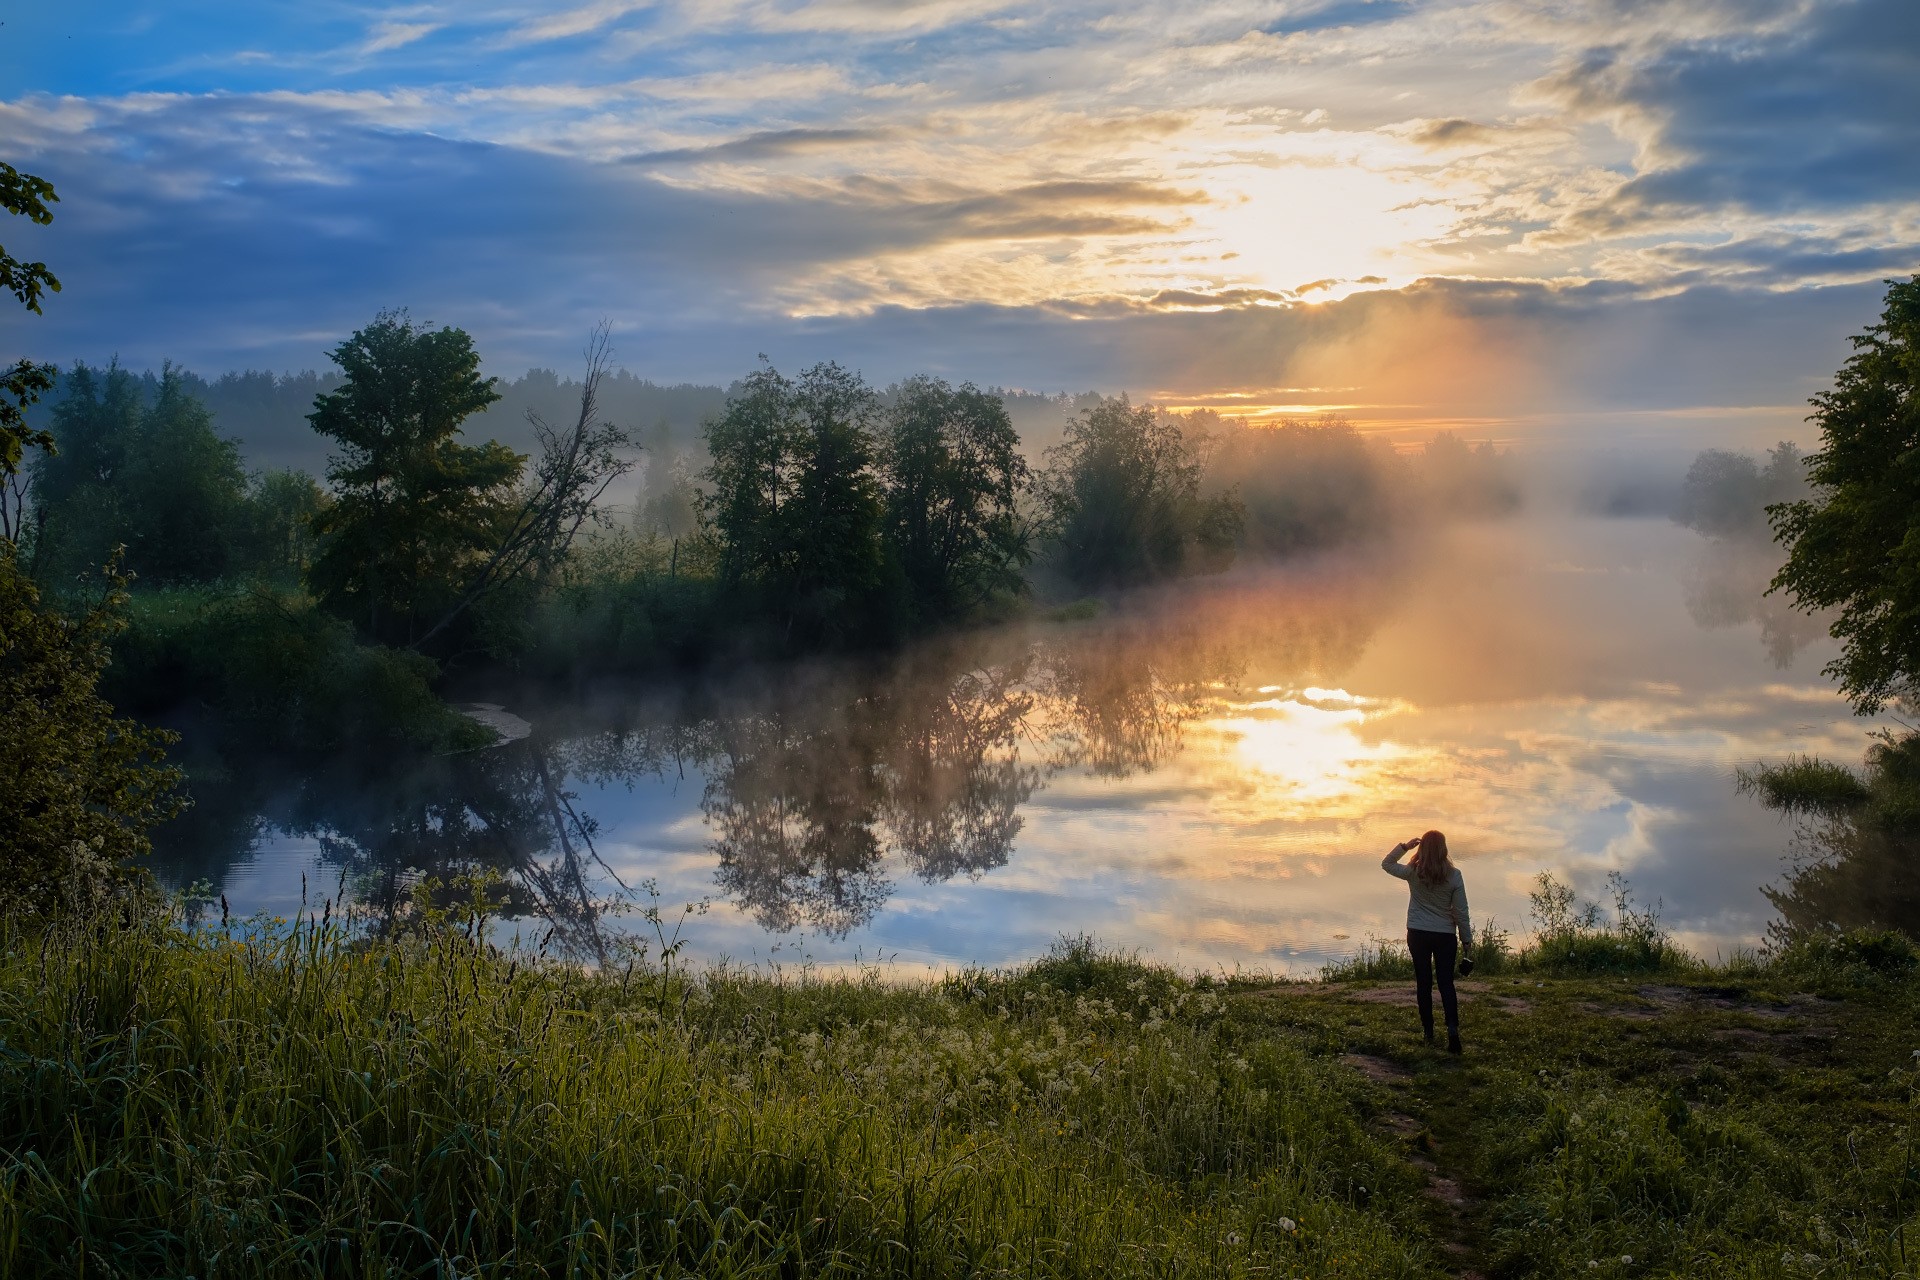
<point>79,786</point>
<point>1572,939</point>
<point>277,672</point>
<point>1850,957</point>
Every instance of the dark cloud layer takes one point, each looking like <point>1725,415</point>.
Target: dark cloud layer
<point>1817,116</point>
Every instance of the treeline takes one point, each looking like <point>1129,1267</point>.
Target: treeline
<point>809,511</point>
<point>139,465</point>
<point>1726,494</point>
<point>265,413</point>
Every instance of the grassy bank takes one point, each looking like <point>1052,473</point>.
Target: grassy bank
<point>183,1103</point>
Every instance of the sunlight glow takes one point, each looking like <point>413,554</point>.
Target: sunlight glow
<point>1311,749</point>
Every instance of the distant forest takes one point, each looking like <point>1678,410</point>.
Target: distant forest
<point>265,413</point>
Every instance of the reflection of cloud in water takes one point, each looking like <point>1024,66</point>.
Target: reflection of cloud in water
<point>1311,749</point>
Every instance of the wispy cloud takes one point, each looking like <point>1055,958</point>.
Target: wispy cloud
<point>767,145</point>
<point>394,35</point>
<point>566,24</point>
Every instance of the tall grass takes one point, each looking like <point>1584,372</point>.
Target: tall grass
<point>1571,938</point>
<point>292,1103</point>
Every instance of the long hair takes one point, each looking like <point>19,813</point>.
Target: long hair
<point>1430,861</point>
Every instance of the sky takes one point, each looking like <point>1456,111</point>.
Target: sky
<point>1626,218</point>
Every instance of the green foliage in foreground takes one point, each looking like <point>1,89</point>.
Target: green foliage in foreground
<point>79,786</point>
<point>177,1103</point>
<point>1854,546</point>
<point>22,195</point>
<point>289,1103</point>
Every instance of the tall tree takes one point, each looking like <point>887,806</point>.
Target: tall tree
<point>79,510</point>
<point>795,501</point>
<point>282,508</point>
<point>414,509</point>
<point>186,492</point>
<point>157,480</point>
<point>757,446</point>
<point>537,524</point>
<point>1854,545</point>
<point>80,786</point>
<point>951,463</point>
<point>1122,496</point>
<point>1305,483</point>
<point>27,196</point>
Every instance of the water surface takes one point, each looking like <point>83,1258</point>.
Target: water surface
<point>1210,773</point>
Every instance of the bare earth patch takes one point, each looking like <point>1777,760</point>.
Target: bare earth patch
<point>1378,1070</point>
<point>1667,998</point>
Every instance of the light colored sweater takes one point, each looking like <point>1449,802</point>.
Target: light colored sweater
<point>1439,908</point>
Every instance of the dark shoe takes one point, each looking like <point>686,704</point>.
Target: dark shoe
<point>1453,1040</point>
<point>1429,1037</point>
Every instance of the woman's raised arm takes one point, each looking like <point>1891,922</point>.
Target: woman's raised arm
<point>1391,863</point>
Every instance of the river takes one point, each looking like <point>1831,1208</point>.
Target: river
<point>1209,772</point>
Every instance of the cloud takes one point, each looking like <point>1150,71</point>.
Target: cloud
<point>1453,133</point>
<point>1810,117</point>
<point>767,145</point>
<point>1319,286</point>
<point>1768,259</point>
<point>188,215</point>
<point>1185,299</point>
<point>394,35</point>
<point>568,23</point>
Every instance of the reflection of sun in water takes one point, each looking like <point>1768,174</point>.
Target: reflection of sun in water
<point>1308,742</point>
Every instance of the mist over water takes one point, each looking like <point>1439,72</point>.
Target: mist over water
<point>1209,772</point>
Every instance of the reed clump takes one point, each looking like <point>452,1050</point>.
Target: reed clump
<point>289,1100</point>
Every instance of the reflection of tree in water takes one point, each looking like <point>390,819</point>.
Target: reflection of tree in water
<point>1861,880</point>
<point>503,810</point>
<point>956,782</point>
<point>1857,863</point>
<point>1121,693</point>
<point>1117,712</point>
<point>793,808</point>
<point>815,779</point>
<point>810,790</point>
<point>1726,586</point>
<point>806,799</point>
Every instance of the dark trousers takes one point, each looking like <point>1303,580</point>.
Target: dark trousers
<point>1434,953</point>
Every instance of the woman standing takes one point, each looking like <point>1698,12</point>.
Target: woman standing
<point>1436,908</point>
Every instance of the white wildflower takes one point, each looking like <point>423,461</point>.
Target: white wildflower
<point>1287,1225</point>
